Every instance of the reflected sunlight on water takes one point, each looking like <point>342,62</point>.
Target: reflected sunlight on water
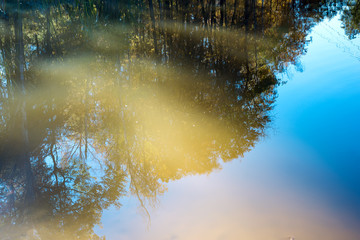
<point>292,184</point>
<point>108,111</point>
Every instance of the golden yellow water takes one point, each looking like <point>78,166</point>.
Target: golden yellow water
<point>100,122</point>
<point>96,128</point>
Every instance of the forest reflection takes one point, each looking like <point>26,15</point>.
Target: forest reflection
<point>104,98</point>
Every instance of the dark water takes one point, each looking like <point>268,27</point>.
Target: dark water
<point>179,119</point>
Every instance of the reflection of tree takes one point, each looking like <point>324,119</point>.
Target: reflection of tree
<point>351,20</point>
<point>146,103</point>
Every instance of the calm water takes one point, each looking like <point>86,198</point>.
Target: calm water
<point>180,120</point>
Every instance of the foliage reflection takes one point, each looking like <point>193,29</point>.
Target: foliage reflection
<point>103,98</point>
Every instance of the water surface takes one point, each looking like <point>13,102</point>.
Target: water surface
<point>169,122</point>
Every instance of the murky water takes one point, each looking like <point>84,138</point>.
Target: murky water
<point>179,120</point>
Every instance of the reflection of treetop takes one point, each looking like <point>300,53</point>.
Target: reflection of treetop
<point>103,97</point>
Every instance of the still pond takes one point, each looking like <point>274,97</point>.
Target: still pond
<point>171,119</point>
